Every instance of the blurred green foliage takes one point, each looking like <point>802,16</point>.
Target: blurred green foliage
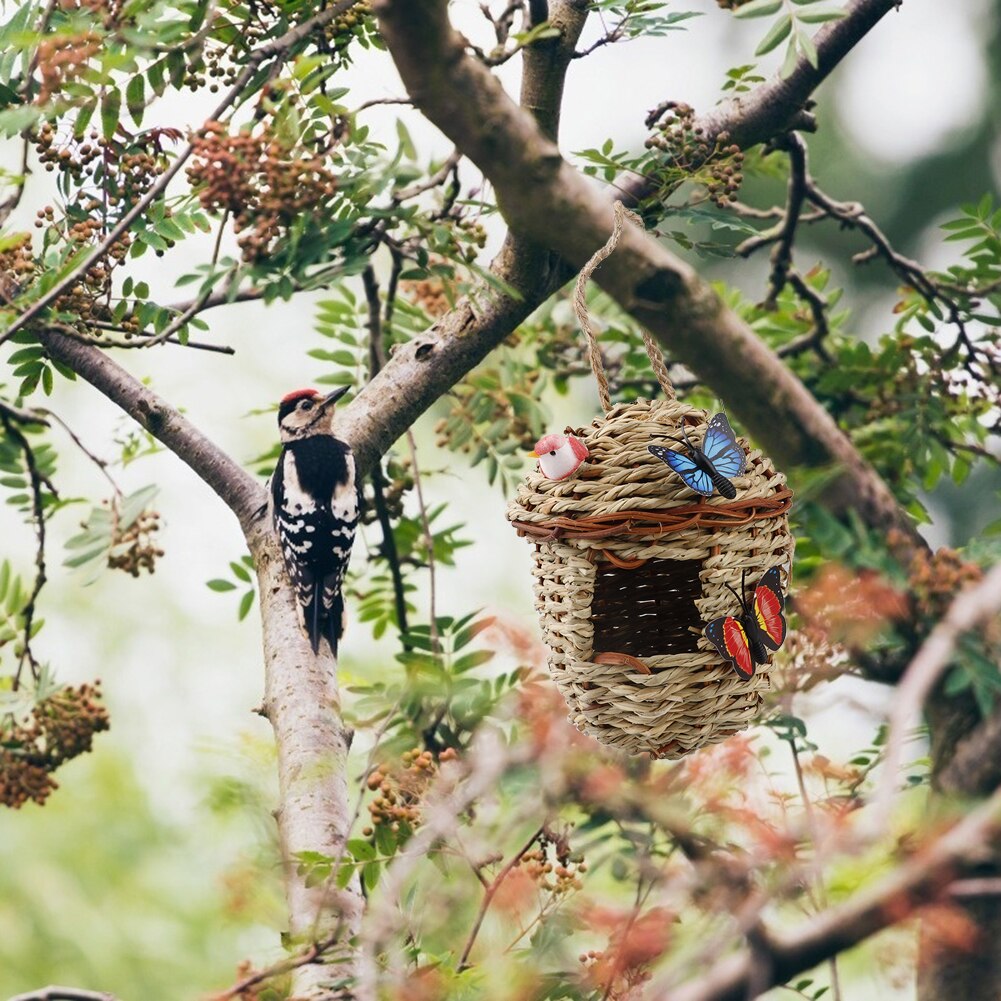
<point>102,890</point>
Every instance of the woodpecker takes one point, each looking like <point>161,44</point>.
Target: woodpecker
<point>315,508</point>
<point>559,455</point>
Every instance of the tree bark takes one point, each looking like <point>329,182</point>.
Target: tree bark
<point>302,703</point>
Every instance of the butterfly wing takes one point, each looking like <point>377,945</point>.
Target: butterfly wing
<point>721,448</point>
<point>727,634</point>
<point>769,601</point>
<point>695,478</point>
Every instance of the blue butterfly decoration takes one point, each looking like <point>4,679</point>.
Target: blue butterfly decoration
<point>710,466</point>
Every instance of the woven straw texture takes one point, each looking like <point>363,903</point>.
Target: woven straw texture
<point>628,565</point>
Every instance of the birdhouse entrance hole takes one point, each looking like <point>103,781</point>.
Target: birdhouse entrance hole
<point>648,611</point>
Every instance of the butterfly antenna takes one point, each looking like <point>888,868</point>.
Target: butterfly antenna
<point>743,589</point>
<point>669,437</point>
<point>684,431</point>
<point>740,601</point>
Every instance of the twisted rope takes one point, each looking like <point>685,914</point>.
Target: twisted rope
<point>580,310</point>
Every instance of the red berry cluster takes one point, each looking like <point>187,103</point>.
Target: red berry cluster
<point>59,728</point>
<point>715,162</point>
<point>264,185</point>
<point>400,787</point>
<point>935,579</point>
<point>62,59</point>
<point>133,548</point>
<point>553,866</point>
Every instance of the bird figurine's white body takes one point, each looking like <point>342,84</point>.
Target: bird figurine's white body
<point>559,455</point>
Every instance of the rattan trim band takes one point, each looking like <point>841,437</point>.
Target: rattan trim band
<point>655,523</point>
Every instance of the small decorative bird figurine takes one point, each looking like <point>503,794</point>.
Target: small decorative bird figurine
<point>559,455</point>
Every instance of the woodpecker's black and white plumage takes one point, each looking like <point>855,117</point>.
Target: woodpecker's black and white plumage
<point>314,500</point>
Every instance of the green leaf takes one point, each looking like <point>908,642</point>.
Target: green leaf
<point>218,584</point>
<point>808,49</point>
<point>240,571</point>
<point>176,67</point>
<point>776,36</point>
<point>360,851</point>
<point>759,8</point>
<point>81,558</point>
<point>136,503</point>
<point>155,75</point>
<point>370,875</point>
<point>111,107</point>
<point>470,660</point>
<point>385,840</point>
<point>83,117</point>
<point>818,16</point>
<point>406,143</point>
<point>246,603</point>
<point>135,99</point>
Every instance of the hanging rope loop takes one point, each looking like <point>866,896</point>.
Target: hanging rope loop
<point>580,310</point>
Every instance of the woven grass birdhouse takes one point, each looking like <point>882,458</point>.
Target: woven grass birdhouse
<point>629,564</point>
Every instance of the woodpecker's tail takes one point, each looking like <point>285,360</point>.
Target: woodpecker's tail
<point>325,613</point>
<point>313,611</point>
<point>335,622</point>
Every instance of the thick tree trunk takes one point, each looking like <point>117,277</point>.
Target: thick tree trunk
<point>970,968</point>
<point>970,973</point>
<point>302,703</point>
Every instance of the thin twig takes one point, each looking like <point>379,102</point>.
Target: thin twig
<point>181,319</point>
<point>22,416</point>
<point>223,297</point>
<point>782,254</point>
<point>818,310</point>
<point>376,361</point>
<point>38,480</point>
<point>428,543</point>
<point>14,199</point>
<point>101,464</point>
<point>491,892</point>
<point>375,101</point>
<point>437,178</point>
<point>135,340</point>
<point>822,901</point>
<point>313,954</point>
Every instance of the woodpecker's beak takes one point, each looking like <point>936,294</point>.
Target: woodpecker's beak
<point>331,398</point>
<point>533,455</point>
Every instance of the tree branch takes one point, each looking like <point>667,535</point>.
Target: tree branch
<point>242,494</point>
<point>783,102</point>
<point>545,199</point>
<point>921,879</point>
<point>421,371</point>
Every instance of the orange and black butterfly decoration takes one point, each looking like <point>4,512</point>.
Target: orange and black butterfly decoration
<point>745,639</point>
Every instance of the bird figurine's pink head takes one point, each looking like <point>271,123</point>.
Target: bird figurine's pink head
<point>559,455</point>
